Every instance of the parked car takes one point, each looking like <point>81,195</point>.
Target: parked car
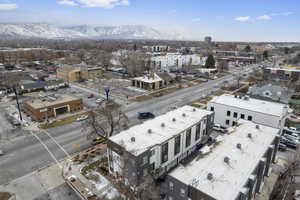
<point>282,147</point>
<point>98,140</point>
<point>289,143</point>
<point>91,96</point>
<point>145,115</point>
<point>218,127</point>
<point>82,117</point>
<point>99,100</point>
<point>291,137</point>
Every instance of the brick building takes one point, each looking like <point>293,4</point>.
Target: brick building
<point>52,106</point>
<point>75,74</point>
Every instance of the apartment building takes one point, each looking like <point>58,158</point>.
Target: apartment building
<point>282,73</point>
<point>230,108</point>
<point>158,145</point>
<point>233,169</point>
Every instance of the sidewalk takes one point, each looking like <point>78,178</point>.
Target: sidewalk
<point>44,184</point>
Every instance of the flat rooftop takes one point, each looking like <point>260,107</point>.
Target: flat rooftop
<point>149,78</point>
<point>290,69</point>
<point>256,105</point>
<point>50,100</point>
<point>228,179</point>
<point>159,133</point>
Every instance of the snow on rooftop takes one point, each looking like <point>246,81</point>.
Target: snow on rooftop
<point>228,179</point>
<point>149,78</point>
<point>256,105</point>
<point>162,129</point>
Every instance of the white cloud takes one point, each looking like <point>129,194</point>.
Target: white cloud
<point>8,6</point>
<point>242,18</point>
<point>104,3</point>
<point>67,2</point>
<point>196,20</point>
<point>264,17</point>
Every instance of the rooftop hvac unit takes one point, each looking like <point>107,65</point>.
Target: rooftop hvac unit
<point>149,130</point>
<point>249,135</point>
<point>183,114</point>
<point>174,119</point>
<point>257,126</point>
<point>162,125</point>
<point>210,176</point>
<point>239,146</point>
<point>194,109</point>
<point>227,160</point>
<point>132,139</point>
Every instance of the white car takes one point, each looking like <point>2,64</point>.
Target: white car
<point>99,100</point>
<point>83,117</point>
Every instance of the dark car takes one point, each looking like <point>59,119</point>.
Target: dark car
<point>289,143</point>
<point>146,115</point>
<point>282,147</point>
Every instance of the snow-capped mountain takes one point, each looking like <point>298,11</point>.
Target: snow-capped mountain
<point>49,31</point>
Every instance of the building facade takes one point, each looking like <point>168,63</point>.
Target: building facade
<point>47,107</point>
<point>148,82</point>
<point>283,74</point>
<point>233,169</point>
<point>158,145</point>
<point>76,74</point>
<point>230,108</point>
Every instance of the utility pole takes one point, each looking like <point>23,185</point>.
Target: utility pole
<point>17,100</point>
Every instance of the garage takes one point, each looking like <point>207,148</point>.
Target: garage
<point>61,110</point>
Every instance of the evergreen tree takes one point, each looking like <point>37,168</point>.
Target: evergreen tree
<point>210,62</point>
<point>265,54</point>
<point>248,48</point>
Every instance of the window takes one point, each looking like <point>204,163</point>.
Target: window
<point>233,123</point>
<point>145,160</point>
<point>212,108</point>
<point>182,192</point>
<point>171,186</point>
<point>227,122</point>
<point>152,166</point>
<point>164,152</point>
<point>228,113</point>
<point>204,132</point>
<point>188,138</point>
<point>152,152</point>
<point>198,129</point>
<point>250,118</point>
<point>235,115</point>
<point>242,116</point>
<point>177,145</point>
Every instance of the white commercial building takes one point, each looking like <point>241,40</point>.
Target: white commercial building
<point>234,168</point>
<point>230,108</point>
<point>159,144</point>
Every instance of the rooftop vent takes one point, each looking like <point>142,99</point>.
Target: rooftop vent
<point>235,96</point>
<point>250,135</point>
<point>257,126</point>
<point>150,130</point>
<point>183,114</point>
<point>226,159</point>
<point>174,119</point>
<point>162,125</point>
<point>210,176</point>
<point>239,146</point>
<point>240,97</point>
<point>132,139</point>
<point>194,109</point>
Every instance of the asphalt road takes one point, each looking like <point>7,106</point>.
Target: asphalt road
<point>26,154</point>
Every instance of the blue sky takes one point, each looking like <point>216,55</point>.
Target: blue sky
<point>229,20</point>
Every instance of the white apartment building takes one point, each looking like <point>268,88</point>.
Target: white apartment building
<point>157,145</point>
<point>176,61</point>
<point>230,108</point>
<point>234,168</point>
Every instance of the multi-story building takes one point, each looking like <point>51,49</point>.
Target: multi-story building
<point>51,106</point>
<point>75,74</point>
<point>230,108</point>
<point>232,169</point>
<point>282,73</point>
<point>158,145</point>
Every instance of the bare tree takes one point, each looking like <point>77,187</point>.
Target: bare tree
<point>105,120</point>
<point>222,66</point>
